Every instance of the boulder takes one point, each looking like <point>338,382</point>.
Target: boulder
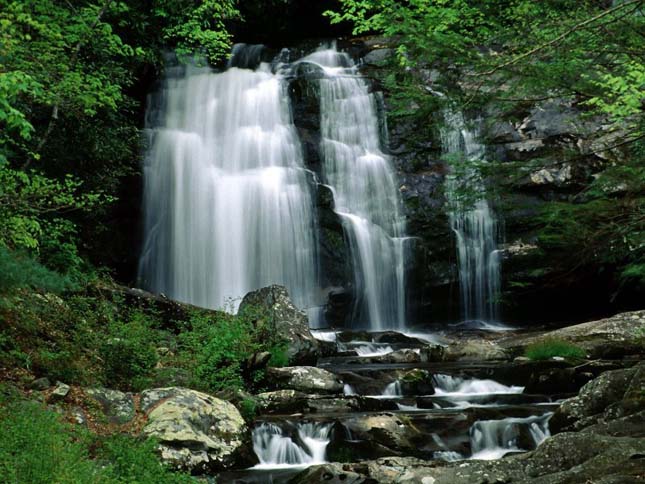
<point>60,391</point>
<point>196,431</point>
<point>287,321</point>
<point>394,432</point>
<point>40,384</point>
<point>613,394</point>
<point>307,379</point>
<point>474,350</point>
<point>615,337</point>
<point>116,405</point>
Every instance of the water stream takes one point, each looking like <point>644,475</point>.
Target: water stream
<point>473,222</point>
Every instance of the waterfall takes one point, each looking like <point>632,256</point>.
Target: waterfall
<point>492,439</point>
<point>365,190</point>
<point>227,202</point>
<point>276,449</point>
<point>473,223</point>
<point>393,390</point>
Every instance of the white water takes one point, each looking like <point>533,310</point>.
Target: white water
<point>348,389</point>
<point>492,439</point>
<point>455,386</point>
<point>473,223</point>
<point>392,390</point>
<point>365,190</point>
<point>276,450</point>
<point>370,349</point>
<point>226,199</point>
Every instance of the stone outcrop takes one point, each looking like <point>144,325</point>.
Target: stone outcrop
<point>613,337</point>
<point>307,379</point>
<point>195,431</point>
<point>286,320</point>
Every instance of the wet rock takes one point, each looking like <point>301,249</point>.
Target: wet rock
<point>389,430</point>
<point>306,379</point>
<point>196,431</point>
<point>282,401</point>
<point>286,320</point>
<point>332,473</point>
<point>116,405</point>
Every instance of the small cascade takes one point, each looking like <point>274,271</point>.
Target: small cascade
<point>473,222</point>
<point>365,190</point>
<point>452,385</point>
<point>492,439</point>
<point>348,389</point>
<point>275,449</point>
<point>393,390</point>
<point>369,349</point>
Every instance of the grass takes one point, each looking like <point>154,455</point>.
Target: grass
<point>37,446</point>
<point>548,348</point>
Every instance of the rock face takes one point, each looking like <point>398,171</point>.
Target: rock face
<point>307,379</point>
<point>196,431</point>
<point>287,320</point>
<point>612,337</point>
<point>614,394</point>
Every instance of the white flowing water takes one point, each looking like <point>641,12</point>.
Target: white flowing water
<point>369,349</point>
<point>365,190</point>
<point>492,439</point>
<point>276,450</point>
<point>473,222</point>
<point>348,389</point>
<point>392,390</point>
<point>227,202</point>
<point>455,386</point>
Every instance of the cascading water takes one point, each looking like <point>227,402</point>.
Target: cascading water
<point>393,390</point>
<point>227,202</point>
<point>473,223</point>
<point>451,385</point>
<point>492,439</point>
<point>365,190</point>
<point>275,449</point>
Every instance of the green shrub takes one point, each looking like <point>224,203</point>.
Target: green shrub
<point>548,348</point>
<point>129,354</point>
<point>216,345</point>
<point>36,446</point>
<point>19,271</point>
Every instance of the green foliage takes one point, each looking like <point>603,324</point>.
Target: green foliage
<point>134,460</point>
<point>128,352</point>
<point>548,348</point>
<point>19,271</point>
<point>219,344</point>
<point>248,408</point>
<point>36,446</point>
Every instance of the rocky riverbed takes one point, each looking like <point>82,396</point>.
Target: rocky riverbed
<point>449,404</point>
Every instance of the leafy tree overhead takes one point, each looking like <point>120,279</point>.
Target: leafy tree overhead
<point>70,104</point>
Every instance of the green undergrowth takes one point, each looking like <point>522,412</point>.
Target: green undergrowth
<point>81,334</point>
<point>548,348</point>
<point>37,446</point>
